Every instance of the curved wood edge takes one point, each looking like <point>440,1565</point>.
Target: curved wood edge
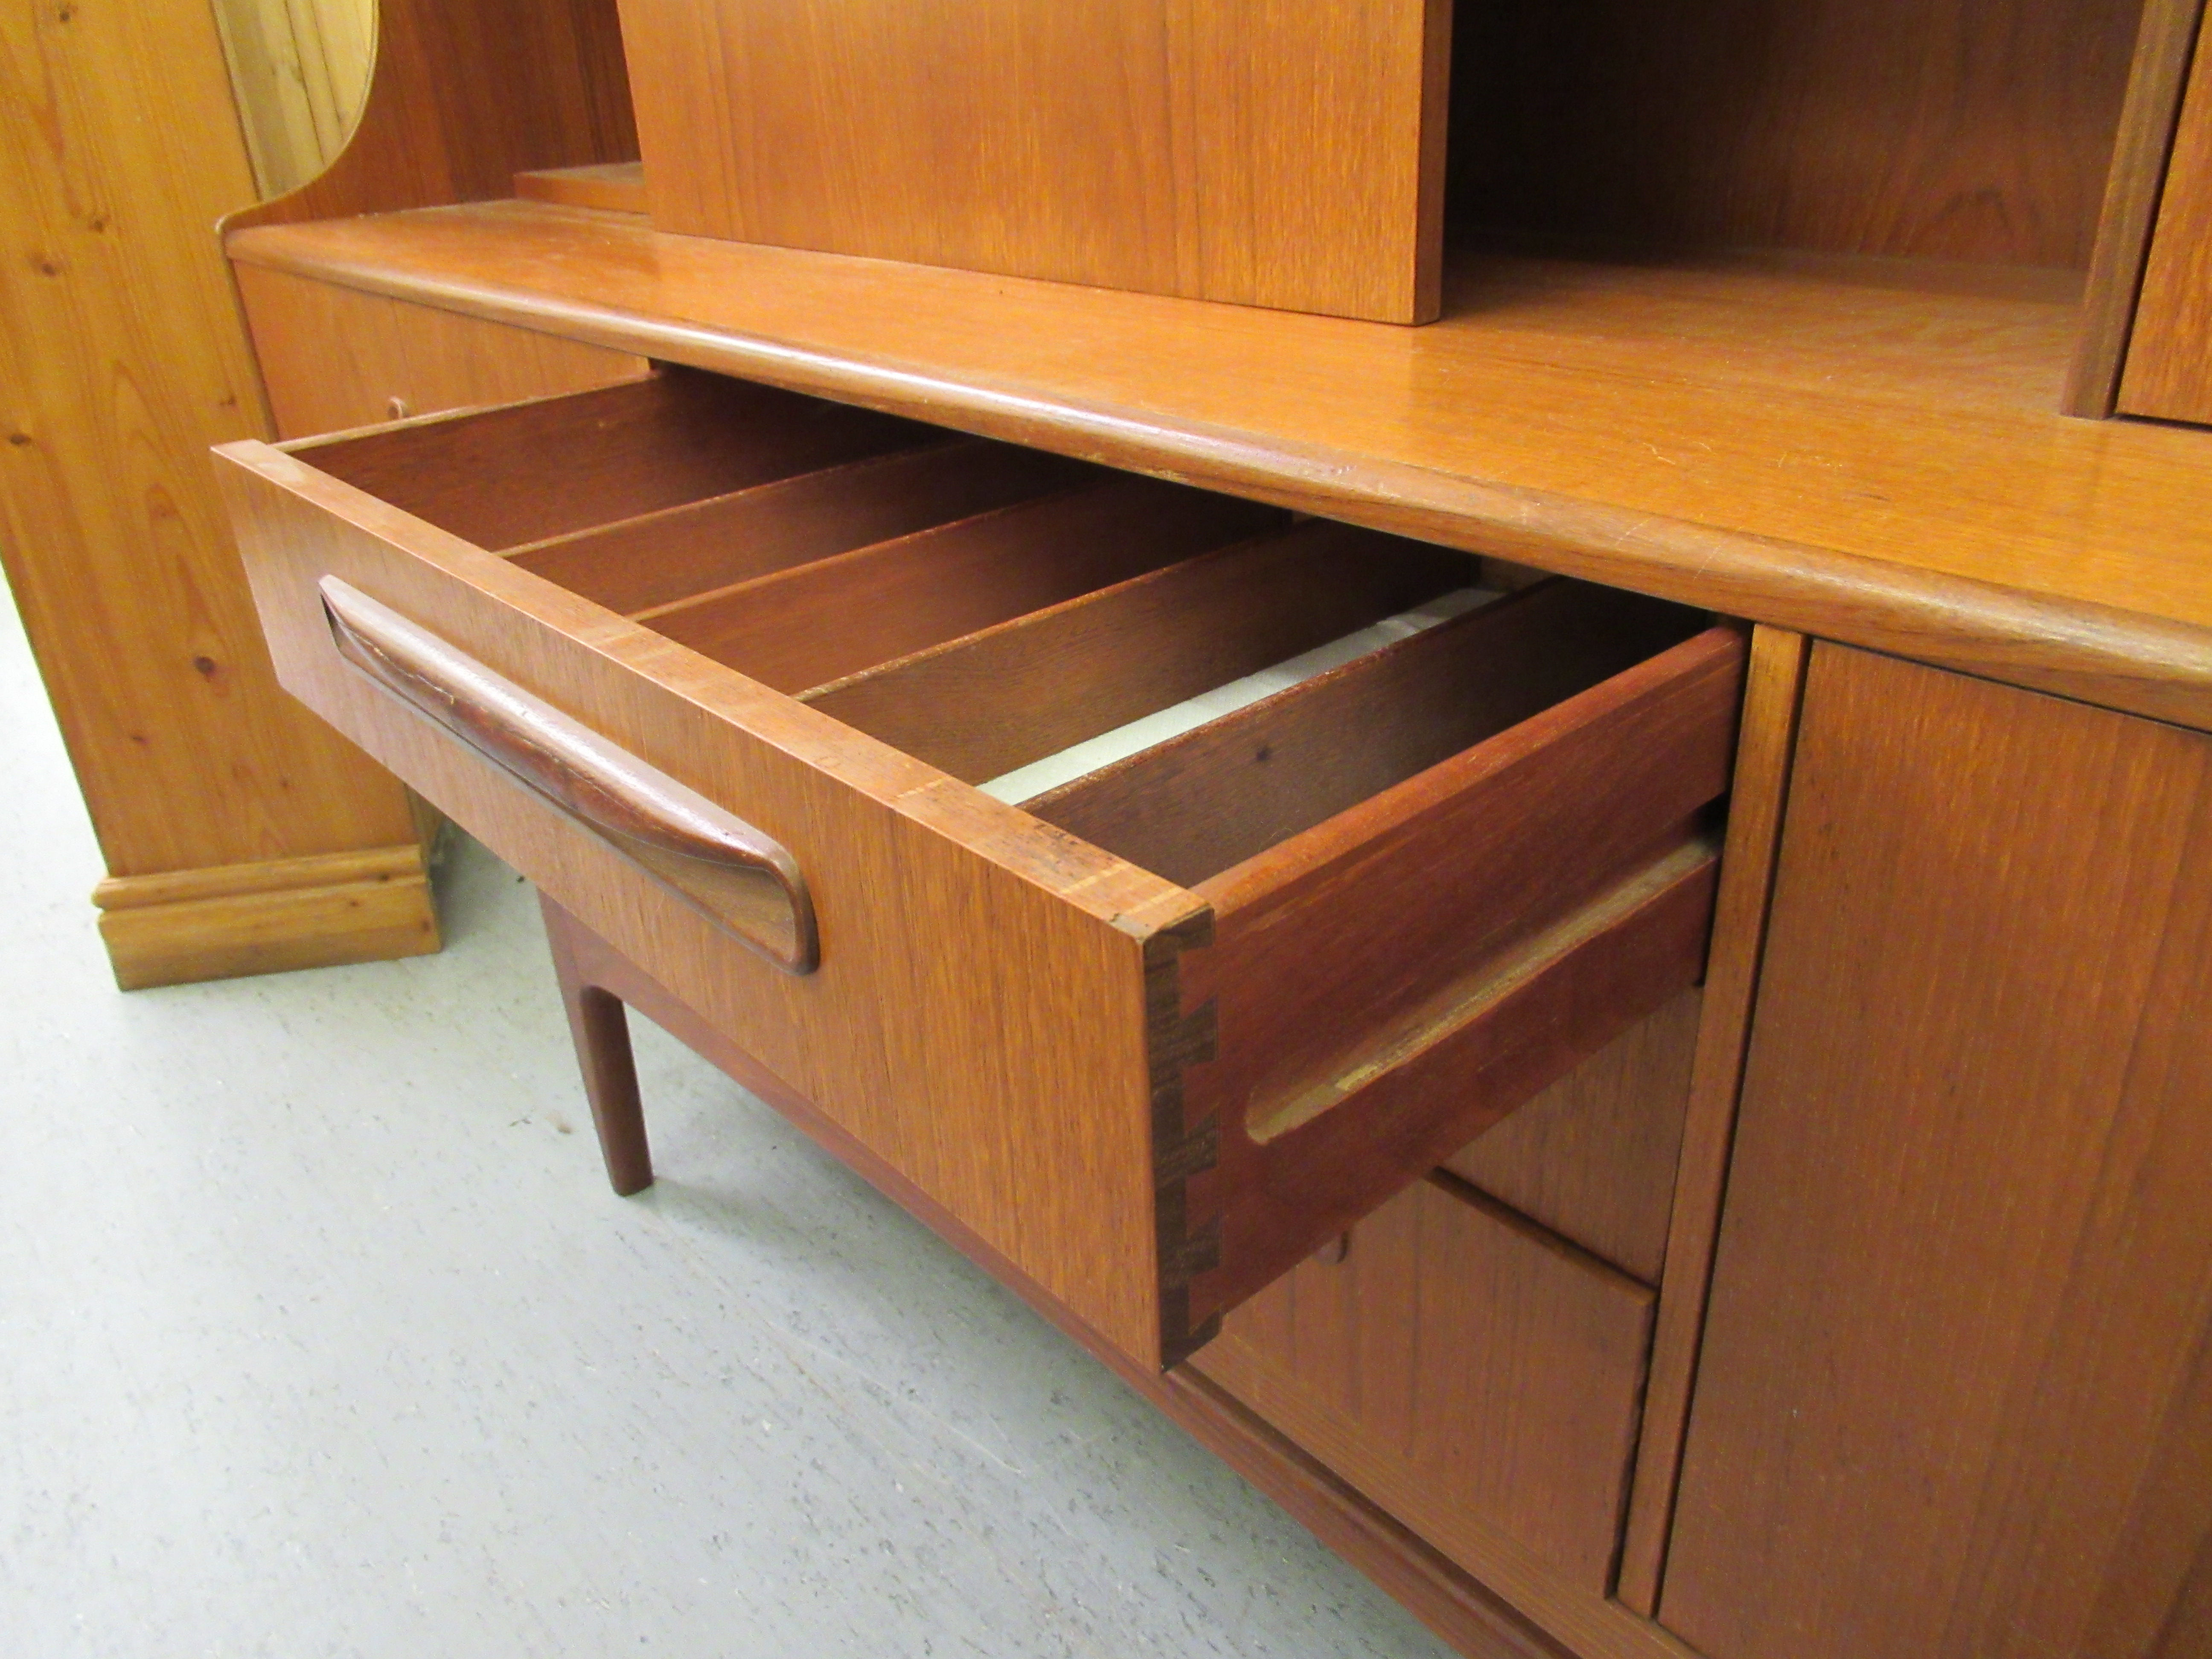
<point>665,825</point>
<point>463,95</point>
<point>2096,653</point>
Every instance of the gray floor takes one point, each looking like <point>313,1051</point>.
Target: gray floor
<point>320,1333</point>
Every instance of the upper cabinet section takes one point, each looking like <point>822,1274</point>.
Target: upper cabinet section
<point>1246,151</point>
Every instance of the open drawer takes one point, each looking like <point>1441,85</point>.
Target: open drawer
<point>752,684</point>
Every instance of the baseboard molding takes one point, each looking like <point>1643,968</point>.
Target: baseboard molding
<point>233,920</point>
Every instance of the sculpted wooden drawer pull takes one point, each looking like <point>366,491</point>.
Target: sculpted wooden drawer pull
<point>747,881</point>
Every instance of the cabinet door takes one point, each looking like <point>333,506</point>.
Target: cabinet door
<point>1955,1401</point>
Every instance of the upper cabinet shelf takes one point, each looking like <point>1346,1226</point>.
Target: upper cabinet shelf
<point>1867,449</point>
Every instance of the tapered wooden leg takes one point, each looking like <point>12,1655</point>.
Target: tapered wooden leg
<point>600,1025</point>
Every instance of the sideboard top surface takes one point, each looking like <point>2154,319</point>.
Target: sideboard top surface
<point>1866,450</point>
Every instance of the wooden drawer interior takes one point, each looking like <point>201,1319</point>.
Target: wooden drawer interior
<point>1437,844</point>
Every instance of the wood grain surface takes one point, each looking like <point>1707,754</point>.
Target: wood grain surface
<point>510,477</point>
<point>2163,46</point>
<point>121,359</point>
<point>1427,1021</point>
<point>1774,686</point>
<point>1593,1158</point>
<point>1244,150</point>
<point>1394,981</point>
<point>1003,698</point>
<point>746,882</point>
<point>1200,804</point>
<point>2169,361</point>
<point>686,552</point>
<point>274,916</point>
<point>613,186</point>
<point>300,72</point>
<point>817,622</point>
<point>1956,1392</point>
<point>333,358</point>
<point>1462,1348</point>
<point>465,95</point>
<point>1968,129</point>
<point>1868,452</point>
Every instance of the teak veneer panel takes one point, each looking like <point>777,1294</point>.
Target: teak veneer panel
<point>1774,684</point>
<point>1006,696</point>
<point>615,186</point>
<point>1957,130</point>
<point>333,358</point>
<point>1242,150</point>
<point>1869,452</point>
<point>903,596</point>
<point>1593,1158</point>
<point>1955,1399</point>
<point>685,552</point>
<point>1458,1349</point>
<point>2168,372</point>
<point>616,453</point>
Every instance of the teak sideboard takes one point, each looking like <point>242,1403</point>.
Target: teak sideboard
<point>1661,1102</point>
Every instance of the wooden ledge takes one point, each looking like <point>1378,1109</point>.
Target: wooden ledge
<point>1869,451</point>
<point>185,926</point>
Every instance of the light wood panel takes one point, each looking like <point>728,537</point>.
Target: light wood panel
<point>1459,1346</point>
<point>1244,150</point>
<point>2131,210</point>
<point>299,70</point>
<point>1866,451</point>
<point>2169,361</point>
<point>267,918</point>
<point>1593,1158</point>
<point>465,96</point>
<point>1975,130</point>
<point>1956,1392</point>
<point>121,359</point>
<point>333,358</point>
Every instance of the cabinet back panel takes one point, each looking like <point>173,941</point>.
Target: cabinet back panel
<point>1972,130</point>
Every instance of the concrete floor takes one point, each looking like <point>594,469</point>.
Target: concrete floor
<point>320,1333</point>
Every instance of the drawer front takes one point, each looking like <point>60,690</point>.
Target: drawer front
<point>1068,1031</point>
<point>1465,1369</point>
